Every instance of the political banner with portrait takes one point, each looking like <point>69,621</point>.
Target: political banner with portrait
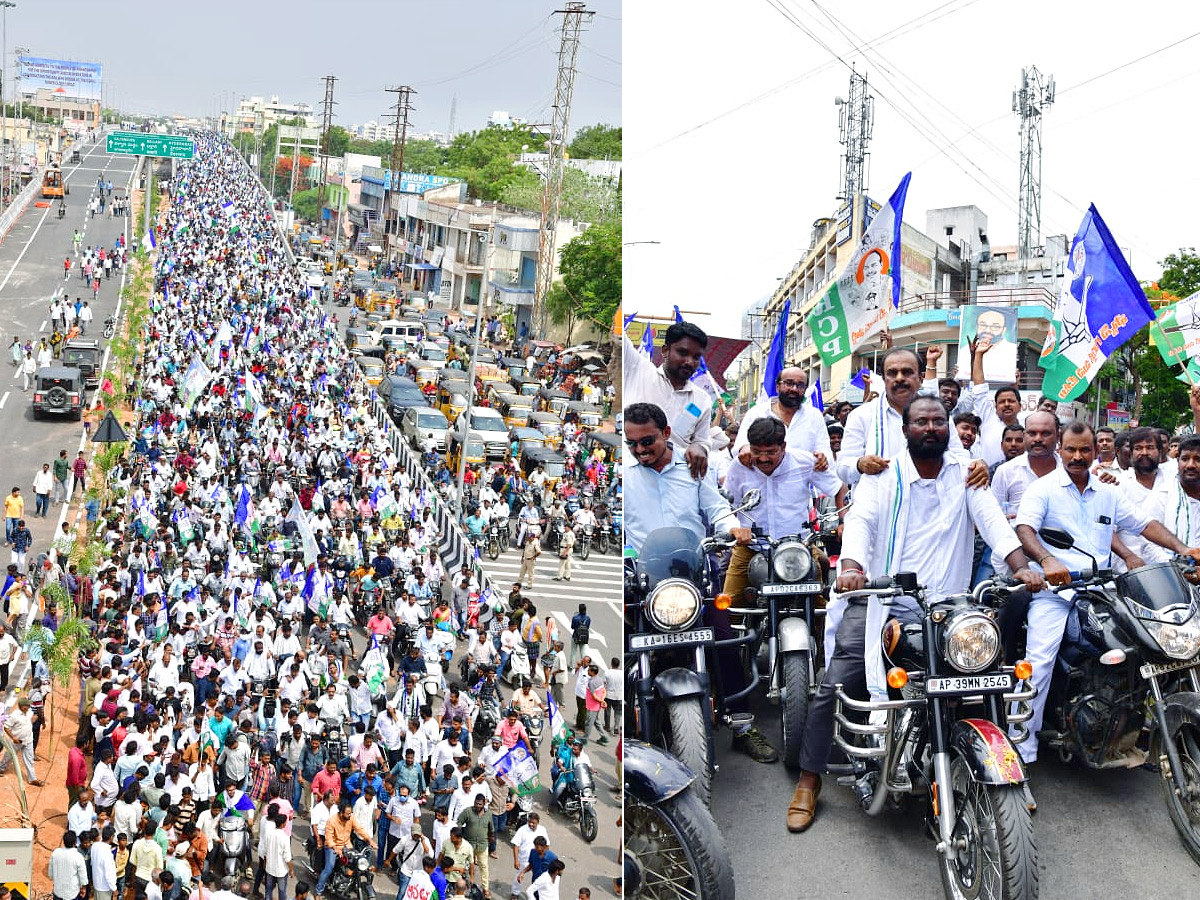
<point>861,302</point>
<point>999,325</point>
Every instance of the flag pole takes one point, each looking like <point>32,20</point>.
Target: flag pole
<point>1162,335</point>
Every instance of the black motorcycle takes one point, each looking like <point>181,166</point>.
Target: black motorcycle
<point>786,580</point>
<point>352,878</point>
<point>578,801</point>
<point>1129,664</point>
<point>666,655</point>
<point>583,541</point>
<point>494,539</point>
<point>941,734</point>
<point>672,846</point>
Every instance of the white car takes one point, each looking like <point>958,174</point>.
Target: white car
<point>315,280</point>
<point>419,425</point>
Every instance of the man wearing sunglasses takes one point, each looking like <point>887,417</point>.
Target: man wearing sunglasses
<point>660,491</point>
<point>687,406</point>
<point>804,422</point>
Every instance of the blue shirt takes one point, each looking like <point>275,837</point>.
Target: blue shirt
<point>439,882</point>
<point>671,498</point>
<point>540,863</point>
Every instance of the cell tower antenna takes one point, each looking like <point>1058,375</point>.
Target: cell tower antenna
<point>1030,101</point>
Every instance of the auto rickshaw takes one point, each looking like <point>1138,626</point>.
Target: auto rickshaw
<point>515,408</point>
<point>555,463</point>
<point>584,414</point>
<point>548,424</point>
<point>452,399</point>
<point>476,452</point>
<point>608,442</point>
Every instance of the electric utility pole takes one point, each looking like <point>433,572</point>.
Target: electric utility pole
<point>399,135</point>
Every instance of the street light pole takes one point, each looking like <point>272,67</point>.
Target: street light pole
<point>465,416</point>
<point>4,6</point>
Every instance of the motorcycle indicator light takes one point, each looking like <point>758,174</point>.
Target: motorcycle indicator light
<point>722,601</point>
<point>1023,670</point>
<point>897,678</point>
<point>1113,657</point>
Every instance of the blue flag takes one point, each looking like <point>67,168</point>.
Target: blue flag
<point>241,515</point>
<point>309,587</point>
<point>678,314</point>
<point>775,355</point>
<point>647,346</point>
<point>627,319</point>
<point>860,379</point>
<point>1100,307</point>
<point>815,396</point>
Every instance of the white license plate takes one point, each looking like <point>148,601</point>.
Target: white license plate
<point>1149,670</point>
<point>969,684</point>
<point>808,588</point>
<point>675,639</point>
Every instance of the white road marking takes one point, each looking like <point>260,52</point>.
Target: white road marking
<point>4,399</point>
<point>43,328</point>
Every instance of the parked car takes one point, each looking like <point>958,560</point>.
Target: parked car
<point>58,391</point>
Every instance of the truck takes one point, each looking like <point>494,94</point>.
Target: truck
<point>54,184</point>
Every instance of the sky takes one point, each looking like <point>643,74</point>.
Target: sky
<point>197,58</point>
<point>732,151</point>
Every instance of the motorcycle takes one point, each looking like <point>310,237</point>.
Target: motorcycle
<point>493,541</point>
<point>942,734</point>
<point>234,834</point>
<point>435,664</point>
<point>578,800</point>
<point>534,726</point>
<point>110,326</point>
<point>502,532</point>
<point>672,846</point>
<point>342,566</point>
<point>518,665</point>
<point>583,541</point>
<point>786,579</point>
<point>666,656</point>
<point>554,534</point>
<point>352,878</point>
<point>1130,663</point>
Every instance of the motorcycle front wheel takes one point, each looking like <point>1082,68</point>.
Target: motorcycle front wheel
<point>588,824</point>
<point>493,549</point>
<point>1184,812</point>
<point>793,704</point>
<point>688,741</point>
<point>998,859</point>
<point>674,849</point>
<point>602,543</point>
<point>583,548</point>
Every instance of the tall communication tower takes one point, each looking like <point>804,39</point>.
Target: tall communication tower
<point>1030,100</point>
<point>453,110</point>
<point>564,88</point>
<point>326,124</point>
<point>856,122</point>
<point>399,138</point>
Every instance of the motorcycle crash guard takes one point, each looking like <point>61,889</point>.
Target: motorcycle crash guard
<point>989,753</point>
<point>675,684</point>
<point>793,634</point>
<point>651,774</point>
<point>1182,707</point>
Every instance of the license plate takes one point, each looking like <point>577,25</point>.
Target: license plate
<point>1149,670</point>
<point>969,684</point>
<point>675,639</point>
<point>809,588</point>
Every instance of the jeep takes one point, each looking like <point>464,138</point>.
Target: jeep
<point>58,390</point>
<point>84,355</point>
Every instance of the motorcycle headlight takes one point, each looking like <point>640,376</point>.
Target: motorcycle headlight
<point>972,642</point>
<point>791,561</point>
<point>673,605</point>
<point>1177,641</point>
<point>363,864</point>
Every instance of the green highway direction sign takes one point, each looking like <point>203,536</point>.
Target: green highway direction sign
<point>172,146</point>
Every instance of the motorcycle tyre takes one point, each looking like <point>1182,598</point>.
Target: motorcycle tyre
<point>583,549</point>
<point>691,823</point>
<point>793,704</point>
<point>589,827</point>
<point>689,743</point>
<point>1189,831</point>
<point>493,549</point>
<point>602,543</point>
<point>1014,835</point>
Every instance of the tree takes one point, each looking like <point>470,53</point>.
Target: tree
<point>338,142</point>
<point>485,159</point>
<point>596,142</point>
<point>1181,272</point>
<point>307,206</point>
<point>61,647</point>
<point>591,274</point>
<point>584,198</point>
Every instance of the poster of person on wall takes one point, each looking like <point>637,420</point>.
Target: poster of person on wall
<point>999,325</point>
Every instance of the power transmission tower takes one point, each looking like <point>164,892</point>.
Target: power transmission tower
<point>1034,96</point>
<point>453,109</point>
<point>856,122</point>
<point>326,124</point>
<point>564,88</point>
<point>399,135</point>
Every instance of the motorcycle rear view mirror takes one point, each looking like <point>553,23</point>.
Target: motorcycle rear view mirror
<point>750,499</point>
<point>1056,538</point>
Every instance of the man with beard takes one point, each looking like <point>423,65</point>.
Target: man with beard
<point>804,422</point>
<point>1148,487</point>
<point>918,517</point>
<point>874,432</point>
<point>1183,499</point>
<point>1074,500</point>
<point>947,389</point>
<point>687,406</point>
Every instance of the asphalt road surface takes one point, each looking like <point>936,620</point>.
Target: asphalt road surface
<point>1098,834</point>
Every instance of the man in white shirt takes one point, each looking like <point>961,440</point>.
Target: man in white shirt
<point>68,869</point>
<point>918,516</point>
<point>804,422</point>
<point>994,410</point>
<point>1074,500</point>
<point>277,854</point>
<point>104,869</point>
<point>687,406</point>
<point>1148,487</point>
<point>522,844</point>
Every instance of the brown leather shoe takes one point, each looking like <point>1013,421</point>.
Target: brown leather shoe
<point>803,808</point>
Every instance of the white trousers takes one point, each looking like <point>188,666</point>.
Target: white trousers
<point>1045,623</point>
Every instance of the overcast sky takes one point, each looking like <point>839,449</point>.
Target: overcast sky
<point>729,184</point>
<point>177,57</point>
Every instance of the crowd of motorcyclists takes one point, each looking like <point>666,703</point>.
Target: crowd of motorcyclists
<point>961,543</point>
<point>276,627</point>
